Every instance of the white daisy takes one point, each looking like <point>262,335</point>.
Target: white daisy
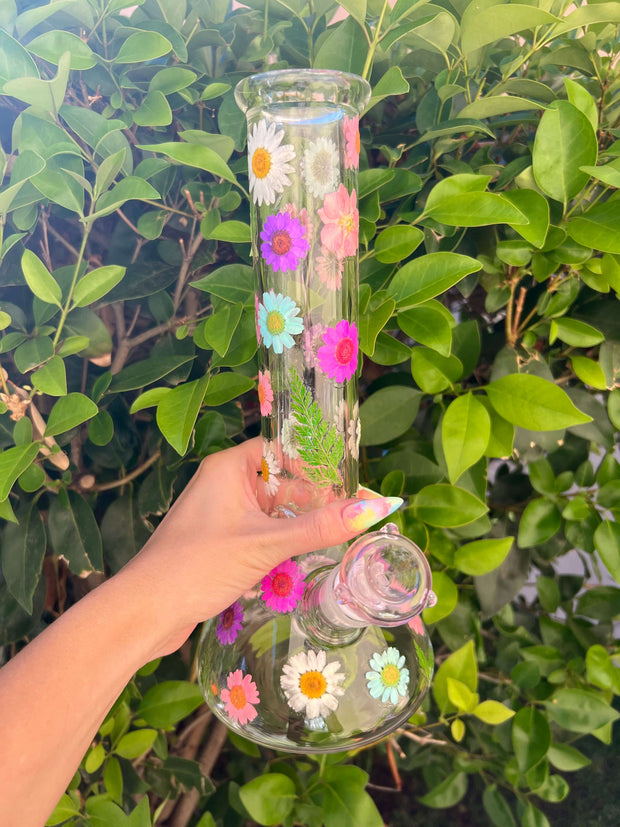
<point>270,469</point>
<point>289,443</point>
<point>321,167</point>
<point>389,677</point>
<point>355,432</point>
<point>267,162</point>
<point>312,685</point>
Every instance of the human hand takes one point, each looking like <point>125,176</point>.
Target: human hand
<point>217,542</point>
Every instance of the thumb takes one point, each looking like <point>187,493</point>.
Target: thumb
<point>334,524</point>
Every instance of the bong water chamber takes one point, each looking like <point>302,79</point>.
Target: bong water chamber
<point>328,651</point>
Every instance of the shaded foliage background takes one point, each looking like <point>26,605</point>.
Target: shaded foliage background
<point>490,267</point>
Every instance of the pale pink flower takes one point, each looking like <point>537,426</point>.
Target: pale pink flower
<point>352,142</point>
<point>240,697</point>
<point>311,341</point>
<point>330,267</point>
<point>341,220</point>
<point>303,216</point>
<point>265,392</point>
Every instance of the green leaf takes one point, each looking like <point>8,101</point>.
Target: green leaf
<point>540,520</point>
<point>94,285</point>
<point>587,16</point>
<point>143,46</point>
<point>429,276</point>
<point>101,428</point>
<point>15,62</point>
<point>123,531</point>
<point>566,758</point>
<point>69,412</point>
<point>13,463</point>
<point>388,413</point>
<point>575,333</point>
<point>397,243</point>
<point>492,712</point>
<point>433,372</point>
<point>494,104</point>
<point>564,142</point>
<point>372,323</point>
<point>482,556</point>
<point>536,207</point>
<point>154,110</point>
<point>533,403</point>
<point>50,45</point>
<point>598,227</point>
<point>74,534</point>
<point>460,665</point>
<point>173,79</point>
<point>219,328</point>
<point>194,155</point>
<point>496,807</point>
<point>51,378</point>
<point>531,737</point>
<point>214,90</point>
<point>40,280</point>
<point>447,506</point>
<point>235,232</point>
<point>344,48</point>
<point>391,83</point>
<point>226,386</point>
<point>64,810</point>
<point>447,793</point>
<point>22,552</point>
<point>178,410</point>
<point>475,209</point>
<point>589,371</point>
<point>141,374</point>
<point>579,710</point>
<point>127,189</point>
<point>428,325</point>
<point>233,283</point>
<point>33,352</point>
<point>479,27</point>
<point>533,817</point>
<point>583,100</point>
<point>447,598</point>
<point>607,543</point>
<point>44,94</point>
<point>269,798</point>
<point>356,8</point>
<point>166,703</point>
<point>609,173</point>
<point>134,744</point>
<point>148,399</point>
<point>461,696</point>
<point>343,797</point>
<point>319,443</point>
<point>465,431</point>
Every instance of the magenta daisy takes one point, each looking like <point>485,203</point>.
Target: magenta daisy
<point>241,697</point>
<point>284,243</point>
<point>352,142</point>
<point>338,356</point>
<point>329,267</point>
<point>341,221</point>
<point>265,392</point>
<point>283,587</point>
<point>229,624</point>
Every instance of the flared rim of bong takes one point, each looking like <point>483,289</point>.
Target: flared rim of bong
<point>303,86</point>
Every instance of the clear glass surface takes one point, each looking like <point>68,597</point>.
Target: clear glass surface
<point>275,666</point>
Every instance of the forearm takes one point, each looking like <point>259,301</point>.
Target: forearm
<point>56,692</point>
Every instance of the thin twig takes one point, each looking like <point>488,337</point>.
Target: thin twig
<point>63,241</point>
<point>108,486</point>
<point>196,240</point>
<point>424,740</point>
<point>128,222</point>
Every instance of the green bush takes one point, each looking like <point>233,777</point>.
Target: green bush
<point>490,267</point>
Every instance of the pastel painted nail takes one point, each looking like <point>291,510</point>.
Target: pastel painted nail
<point>367,493</point>
<point>361,515</point>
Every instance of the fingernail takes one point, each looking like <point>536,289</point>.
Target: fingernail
<point>367,493</point>
<point>361,515</point>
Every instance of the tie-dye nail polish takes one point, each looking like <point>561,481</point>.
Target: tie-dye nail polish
<point>361,515</point>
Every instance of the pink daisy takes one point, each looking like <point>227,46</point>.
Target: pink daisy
<point>329,267</point>
<point>338,356</point>
<point>265,392</point>
<point>352,142</point>
<point>341,221</point>
<point>284,243</point>
<point>256,311</point>
<point>240,697</point>
<point>229,624</point>
<point>283,587</point>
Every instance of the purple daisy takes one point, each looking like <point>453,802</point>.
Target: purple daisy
<point>284,243</point>
<point>229,624</point>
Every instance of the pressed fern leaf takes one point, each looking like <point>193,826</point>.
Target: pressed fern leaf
<point>318,443</point>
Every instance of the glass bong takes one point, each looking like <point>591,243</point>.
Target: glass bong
<point>328,652</point>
